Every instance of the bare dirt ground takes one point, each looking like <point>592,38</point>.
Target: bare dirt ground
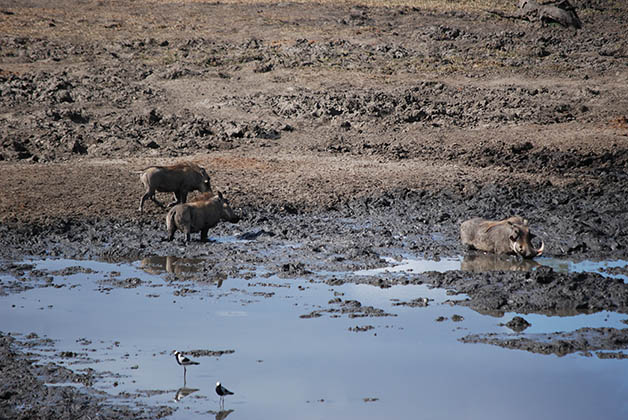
<point>412,116</point>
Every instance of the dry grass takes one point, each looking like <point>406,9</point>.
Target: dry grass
<point>121,19</point>
<point>440,5</point>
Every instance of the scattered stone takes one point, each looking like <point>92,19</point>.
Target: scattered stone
<point>414,303</point>
<point>358,328</point>
<point>517,324</point>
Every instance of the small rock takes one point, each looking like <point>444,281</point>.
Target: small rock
<point>517,324</point>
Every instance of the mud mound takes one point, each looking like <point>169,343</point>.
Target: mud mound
<point>583,340</point>
<point>540,291</point>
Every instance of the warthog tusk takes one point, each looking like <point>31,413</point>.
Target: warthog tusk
<point>540,250</point>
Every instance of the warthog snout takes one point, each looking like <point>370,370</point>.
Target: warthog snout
<point>508,236</point>
<point>227,212</point>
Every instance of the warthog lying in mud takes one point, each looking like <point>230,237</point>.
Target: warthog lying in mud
<point>179,179</point>
<point>199,216</point>
<point>508,236</point>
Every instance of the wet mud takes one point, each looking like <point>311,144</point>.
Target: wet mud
<point>541,291</point>
<point>31,389</point>
<point>343,135</point>
<point>584,341</point>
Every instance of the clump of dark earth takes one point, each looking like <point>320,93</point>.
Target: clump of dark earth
<point>414,303</point>
<point>611,355</point>
<point>517,324</point>
<point>184,291</point>
<point>208,353</point>
<point>128,283</point>
<point>541,291</point>
<point>363,328</point>
<point>583,340</point>
<point>68,271</point>
<point>352,308</point>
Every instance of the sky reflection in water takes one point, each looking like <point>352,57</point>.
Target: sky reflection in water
<point>285,367</point>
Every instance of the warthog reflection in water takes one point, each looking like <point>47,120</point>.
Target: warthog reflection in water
<point>492,262</point>
<point>169,264</point>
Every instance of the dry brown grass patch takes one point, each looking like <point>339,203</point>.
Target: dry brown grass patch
<point>440,5</point>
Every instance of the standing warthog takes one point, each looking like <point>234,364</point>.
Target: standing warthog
<point>198,216</point>
<point>508,236</point>
<point>179,179</point>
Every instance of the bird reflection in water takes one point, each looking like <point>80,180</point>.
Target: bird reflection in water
<point>222,414</point>
<point>183,392</point>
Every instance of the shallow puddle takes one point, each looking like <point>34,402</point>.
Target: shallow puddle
<point>483,263</point>
<point>124,320</point>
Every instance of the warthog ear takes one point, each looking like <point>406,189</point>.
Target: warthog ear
<point>220,195</point>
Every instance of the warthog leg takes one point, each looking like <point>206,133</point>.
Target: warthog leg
<point>179,197</point>
<point>151,195</point>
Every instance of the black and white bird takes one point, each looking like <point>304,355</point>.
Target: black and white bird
<point>183,361</point>
<point>222,391</point>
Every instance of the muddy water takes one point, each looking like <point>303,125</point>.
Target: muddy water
<point>123,320</point>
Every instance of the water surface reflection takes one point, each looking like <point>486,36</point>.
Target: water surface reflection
<point>286,367</point>
<point>492,262</point>
<point>169,264</point>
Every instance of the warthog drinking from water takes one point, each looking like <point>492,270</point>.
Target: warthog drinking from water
<point>199,216</point>
<point>508,236</point>
<point>179,179</point>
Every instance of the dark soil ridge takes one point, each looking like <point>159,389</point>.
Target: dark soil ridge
<point>542,291</point>
<point>583,341</point>
<point>24,395</point>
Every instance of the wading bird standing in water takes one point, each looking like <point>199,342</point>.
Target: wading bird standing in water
<point>222,391</point>
<point>183,361</point>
